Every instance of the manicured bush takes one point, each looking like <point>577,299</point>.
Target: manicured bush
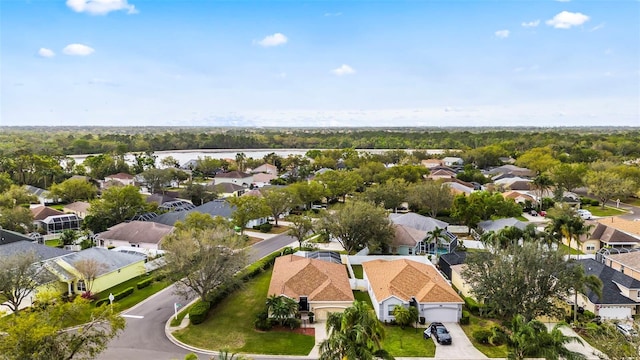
<point>472,305</point>
<point>102,302</point>
<point>144,283</point>
<point>266,227</point>
<point>199,311</point>
<point>292,323</point>
<point>482,336</point>
<point>465,319</point>
<point>262,321</point>
<point>123,294</point>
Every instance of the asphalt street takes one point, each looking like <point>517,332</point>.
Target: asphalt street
<point>144,337</point>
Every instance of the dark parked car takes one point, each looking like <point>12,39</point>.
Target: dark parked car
<point>439,332</point>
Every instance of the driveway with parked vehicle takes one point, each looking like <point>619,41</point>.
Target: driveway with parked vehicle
<point>460,348</point>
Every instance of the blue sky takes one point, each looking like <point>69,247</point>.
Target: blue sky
<point>320,63</point>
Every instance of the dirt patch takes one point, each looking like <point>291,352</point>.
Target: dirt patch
<point>304,331</point>
<point>253,240</point>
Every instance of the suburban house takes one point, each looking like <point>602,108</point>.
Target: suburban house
<point>410,283</point>
<point>519,197</point>
<point>431,163</point>
<point>458,186</point>
<point>420,224</point>
<point>121,178</point>
<point>44,196</point>
<point>267,169</point>
<point>452,161</point>
<point>263,179</point>
<point>317,285</point>
<point>441,172</point>
<point>452,265</point>
<point>513,183</point>
<point>630,227</point>
<point>54,221</point>
<point>627,263</point>
<point>218,207</point>
<point>142,234</point>
<point>496,225</point>
<point>620,292</point>
<point>234,177</point>
<point>229,190</point>
<point>79,208</point>
<point>512,170</point>
<point>603,236</point>
<point>113,269</point>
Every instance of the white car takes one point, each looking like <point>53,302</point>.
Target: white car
<point>584,214</point>
<point>626,330</point>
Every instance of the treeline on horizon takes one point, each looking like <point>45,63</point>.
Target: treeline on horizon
<point>60,141</point>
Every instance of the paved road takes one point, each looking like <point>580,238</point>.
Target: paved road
<point>144,337</point>
<point>633,211</point>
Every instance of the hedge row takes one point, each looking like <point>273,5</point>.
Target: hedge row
<point>198,312</point>
<point>144,283</point>
<point>122,294</point>
<point>465,319</point>
<point>472,305</point>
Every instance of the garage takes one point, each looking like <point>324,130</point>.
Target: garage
<point>321,313</point>
<point>614,312</point>
<point>442,313</point>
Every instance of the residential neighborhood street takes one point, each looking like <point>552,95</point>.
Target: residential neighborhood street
<point>144,337</point>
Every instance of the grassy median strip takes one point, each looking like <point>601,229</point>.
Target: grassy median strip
<point>230,326</point>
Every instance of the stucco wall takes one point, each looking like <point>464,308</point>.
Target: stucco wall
<point>322,309</point>
<point>119,276</point>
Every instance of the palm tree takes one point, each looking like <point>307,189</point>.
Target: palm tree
<point>281,307</point>
<point>583,284</point>
<point>541,184</point>
<point>225,355</point>
<point>531,339</point>
<point>434,236</point>
<point>355,334</point>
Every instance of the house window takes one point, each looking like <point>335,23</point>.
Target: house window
<point>591,247</point>
<point>82,286</point>
<point>390,309</point>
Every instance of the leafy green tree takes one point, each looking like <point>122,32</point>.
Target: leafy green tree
<point>541,185</point>
<point>5,182</point>
<point>118,204</point>
<point>430,195</point>
<point>144,161</point>
<point>247,208</point>
<point>405,316</point>
<point>241,161</point>
<point>410,173</point>
<point>355,333</point>
<point>358,224</point>
<point>156,180</point>
<point>198,221</point>
<point>568,177</point>
<point>566,224</point>
<point>483,205</point>
<point>45,334</point>
<point>532,277</point>
<point>201,260</point>
<point>340,183</point>
<point>509,236</point>
<point>16,219</point>
<point>104,165</point>
<point>301,226</point>
<point>19,277</point>
<point>538,159</point>
<point>485,156</point>
<point>69,237</point>
<point>209,165</point>
<point>198,193</point>
<point>530,339</point>
<point>606,185</point>
<point>170,162</point>
<point>72,190</point>
<point>371,171</point>
<point>391,194</point>
<point>308,192</point>
<point>16,195</point>
<point>279,201</point>
<point>470,174</point>
<point>584,283</point>
<point>281,307</point>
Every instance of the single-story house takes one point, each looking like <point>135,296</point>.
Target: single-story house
<point>80,208</point>
<point>234,177</point>
<point>452,161</point>
<point>620,292</point>
<point>431,163</point>
<point>317,285</point>
<point>263,179</point>
<point>603,236</point>
<point>496,225</point>
<point>267,169</point>
<point>121,178</point>
<point>54,221</point>
<point>143,234</point>
<point>226,190</point>
<point>628,226</point>
<point>513,183</point>
<point>519,196</point>
<point>113,268</point>
<point>218,207</point>
<point>441,172</point>
<point>409,283</point>
<point>452,265</point>
<point>627,263</point>
<point>44,196</point>
<point>424,224</point>
<point>459,187</point>
<point>512,170</point>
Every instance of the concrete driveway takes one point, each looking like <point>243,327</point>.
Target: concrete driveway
<point>460,348</point>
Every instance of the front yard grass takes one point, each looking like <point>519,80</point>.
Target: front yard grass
<point>230,326</point>
<point>357,271</point>
<point>607,211</point>
<point>477,323</point>
<point>138,295</point>
<point>569,250</point>
<point>408,342</point>
<point>52,242</point>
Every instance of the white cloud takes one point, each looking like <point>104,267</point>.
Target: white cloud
<point>502,34</point>
<point>343,70</point>
<point>597,27</point>
<point>78,50</point>
<point>47,53</point>
<point>566,20</point>
<point>273,40</point>
<point>101,7</point>
<point>531,24</point>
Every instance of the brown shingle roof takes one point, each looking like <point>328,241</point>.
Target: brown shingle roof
<point>629,260</point>
<point>405,235</point>
<point>631,227</point>
<point>80,206</point>
<point>120,176</point>
<point>405,279</point>
<point>609,235</point>
<point>137,232</point>
<point>296,276</point>
<point>43,212</point>
<point>233,175</point>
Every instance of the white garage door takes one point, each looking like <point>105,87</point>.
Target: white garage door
<point>614,312</point>
<point>441,314</point>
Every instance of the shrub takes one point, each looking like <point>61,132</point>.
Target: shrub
<point>88,295</point>
<point>144,283</point>
<point>199,311</point>
<point>123,294</point>
<point>472,305</point>
<point>482,336</point>
<point>465,319</point>
<point>293,323</point>
<point>266,227</point>
<point>262,321</point>
<point>498,336</point>
<point>102,302</point>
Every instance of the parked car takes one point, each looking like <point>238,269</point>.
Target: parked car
<point>439,332</point>
<point>584,214</point>
<point>626,330</point>
<point>542,213</point>
<point>533,213</point>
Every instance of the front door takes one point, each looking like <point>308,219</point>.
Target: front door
<point>303,304</point>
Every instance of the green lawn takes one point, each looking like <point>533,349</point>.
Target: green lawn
<point>569,250</point>
<point>357,271</point>
<point>522,218</point>
<point>363,296</point>
<point>52,242</point>
<point>138,294</point>
<point>607,211</point>
<point>407,342</point>
<point>230,326</point>
<point>491,351</point>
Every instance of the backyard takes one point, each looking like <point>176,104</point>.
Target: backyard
<point>230,326</point>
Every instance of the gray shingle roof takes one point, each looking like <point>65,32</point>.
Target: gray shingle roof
<point>137,232</point>
<point>112,260</point>
<point>417,221</point>
<point>499,224</point>
<point>43,252</point>
<point>610,277</point>
<point>218,207</point>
